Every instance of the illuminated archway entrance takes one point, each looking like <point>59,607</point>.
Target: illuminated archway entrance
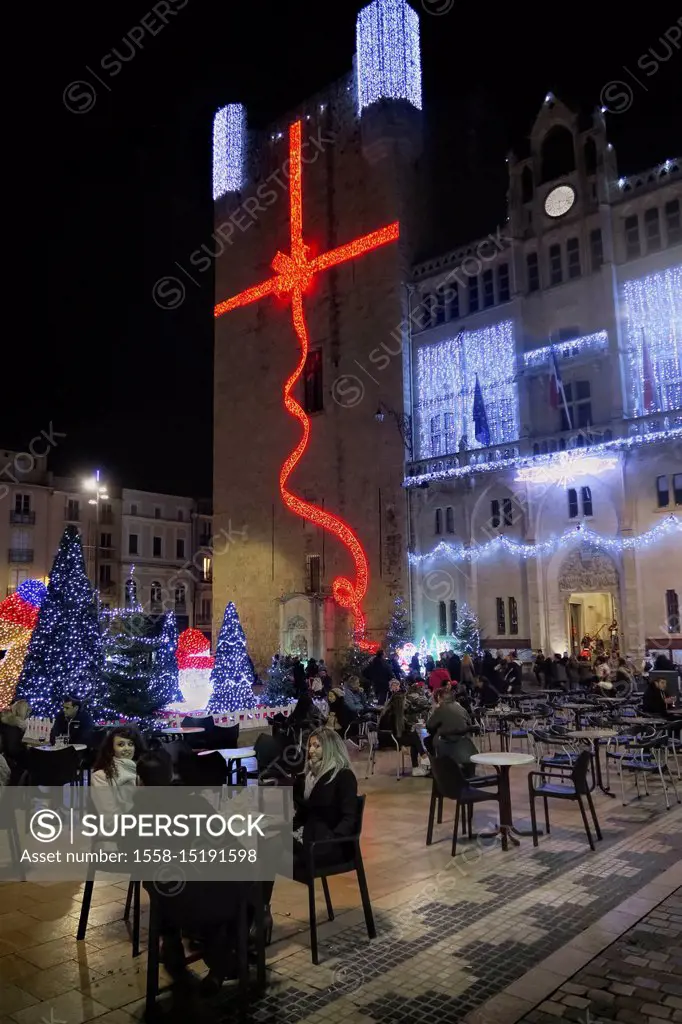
<point>590,587</point>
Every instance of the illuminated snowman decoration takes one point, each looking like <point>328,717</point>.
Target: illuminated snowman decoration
<point>195,664</point>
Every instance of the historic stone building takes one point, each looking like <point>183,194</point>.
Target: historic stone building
<point>586,277</point>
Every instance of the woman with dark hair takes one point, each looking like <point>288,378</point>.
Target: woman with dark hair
<point>115,762</point>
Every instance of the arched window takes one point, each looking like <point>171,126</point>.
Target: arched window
<point>672,610</point>
<point>526,185</point>
<point>180,596</point>
<point>442,618</point>
<point>155,596</point>
<point>131,593</point>
<point>438,527</point>
<point>590,156</point>
<point>453,616</point>
<point>558,156</point>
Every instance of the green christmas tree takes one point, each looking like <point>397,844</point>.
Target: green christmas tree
<point>140,663</point>
<point>354,661</point>
<point>279,688</point>
<point>399,629</point>
<point>467,634</point>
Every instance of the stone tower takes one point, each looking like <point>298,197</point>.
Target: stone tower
<point>360,153</point>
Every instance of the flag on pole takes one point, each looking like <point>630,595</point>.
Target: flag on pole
<point>481,429</point>
<point>648,388</point>
<point>557,394</point>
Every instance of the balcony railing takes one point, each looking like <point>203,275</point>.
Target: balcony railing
<point>21,555</point>
<point>22,518</point>
<point>620,433</point>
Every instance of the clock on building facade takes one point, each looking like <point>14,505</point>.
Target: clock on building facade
<point>559,201</point>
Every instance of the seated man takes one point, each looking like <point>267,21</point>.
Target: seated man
<point>73,722</point>
<point>450,727</point>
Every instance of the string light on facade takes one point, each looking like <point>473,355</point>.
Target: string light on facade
<point>229,149</point>
<point>615,545</point>
<point>446,380</point>
<point>294,274</point>
<point>388,56</point>
<point>652,308</point>
<point>514,461</point>
<point>598,342</point>
<point>566,467</point>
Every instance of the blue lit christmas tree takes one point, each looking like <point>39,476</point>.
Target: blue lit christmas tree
<point>399,630</point>
<point>141,665</point>
<point>232,676</point>
<point>65,655</point>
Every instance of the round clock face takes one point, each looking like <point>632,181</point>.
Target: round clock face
<point>559,201</point>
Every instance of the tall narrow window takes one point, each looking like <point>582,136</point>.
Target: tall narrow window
<point>73,511</point>
<point>442,619</point>
<point>579,402</point>
<point>507,511</point>
<point>436,435</point>
<point>513,617</point>
<point>533,271</point>
<point>494,513</point>
<point>672,611</point>
<point>652,230</point>
<point>454,303</point>
<point>104,575</point>
<point>555,274</point>
<point>596,249</point>
<point>156,549</point>
<point>207,569</point>
<point>677,488</point>
<point>673,226</point>
<point>180,597</point>
<point>453,616</point>
<point>22,503</point>
<point>488,289</point>
<point>449,519</point>
<point>586,495</point>
<point>438,528</point>
<point>180,548</point>
<point>632,249</point>
<point>314,574</point>
<point>473,295</point>
<point>662,491</point>
<point>450,436</point>
<point>501,622</point>
<point>132,544</point>
<point>573,257</point>
<point>572,503</point>
<point>155,596</point>
<point>503,282</point>
<point>312,382</point>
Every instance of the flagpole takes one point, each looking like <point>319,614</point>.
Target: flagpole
<point>559,382</point>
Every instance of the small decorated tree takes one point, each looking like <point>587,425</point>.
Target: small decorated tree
<point>141,665</point>
<point>279,689</point>
<point>232,675</point>
<point>354,662</point>
<point>65,654</point>
<point>467,634</point>
<point>399,630</point>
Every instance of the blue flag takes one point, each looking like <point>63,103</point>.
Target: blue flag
<point>481,431</point>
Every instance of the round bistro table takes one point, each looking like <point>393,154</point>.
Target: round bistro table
<point>503,762</point>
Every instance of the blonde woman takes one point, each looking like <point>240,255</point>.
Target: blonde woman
<point>16,715</point>
<point>468,677</point>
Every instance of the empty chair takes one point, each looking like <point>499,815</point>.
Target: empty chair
<point>57,767</point>
<point>221,738</point>
<point>199,740</point>
<point>577,790</point>
<point>452,784</point>
<point>650,759</point>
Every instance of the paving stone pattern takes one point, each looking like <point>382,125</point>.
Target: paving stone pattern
<point>637,980</point>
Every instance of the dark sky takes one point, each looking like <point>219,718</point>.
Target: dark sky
<point>106,201</point>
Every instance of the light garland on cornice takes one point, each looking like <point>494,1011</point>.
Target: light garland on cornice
<point>564,469</point>
<point>515,461</point>
<point>598,342</point>
<point>461,553</point>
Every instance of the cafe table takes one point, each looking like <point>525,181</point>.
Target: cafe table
<point>234,757</point>
<point>182,730</point>
<point>580,709</point>
<point>594,736</point>
<point>50,746</point>
<point>503,762</point>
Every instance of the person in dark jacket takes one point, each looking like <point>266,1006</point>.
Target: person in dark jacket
<point>73,722</point>
<point>664,664</point>
<point>487,693</point>
<point>654,701</point>
<point>512,674</point>
<point>453,664</point>
<point>300,682</point>
<point>379,673</point>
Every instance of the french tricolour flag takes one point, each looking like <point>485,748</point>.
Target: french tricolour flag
<point>557,395</point>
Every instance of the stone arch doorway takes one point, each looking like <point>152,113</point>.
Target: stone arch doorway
<point>589,588</point>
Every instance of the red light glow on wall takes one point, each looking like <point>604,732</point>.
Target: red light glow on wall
<point>295,272</point>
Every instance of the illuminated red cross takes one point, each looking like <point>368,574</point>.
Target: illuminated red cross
<point>294,273</point>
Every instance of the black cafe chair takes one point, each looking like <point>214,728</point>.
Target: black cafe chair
<point>58,767</point>
<point>576,790</point>
<point>437,799</point>
<point>350,859</point>
<point>221,737</point>
<point>451,783</point>
<point>132,900</point>
<point>202,770</point>
<point>199,740</point>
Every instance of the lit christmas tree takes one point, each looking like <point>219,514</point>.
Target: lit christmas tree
<point>355,661</point>
<point>232,675</point>
<point>279,688</point>
<point>467,634</point>
<point>141,666</point>
<point>399,629</point>
<point>65,654</point>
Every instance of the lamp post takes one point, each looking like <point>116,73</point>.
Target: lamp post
<point>101,494</point>
<point>402,421</point>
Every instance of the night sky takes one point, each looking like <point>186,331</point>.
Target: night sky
<point>123,190</point>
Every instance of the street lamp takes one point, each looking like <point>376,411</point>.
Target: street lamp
<point>101,494</point>
<point>402,421</point>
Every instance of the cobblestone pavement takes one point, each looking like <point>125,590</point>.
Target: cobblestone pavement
<point>637,980</point>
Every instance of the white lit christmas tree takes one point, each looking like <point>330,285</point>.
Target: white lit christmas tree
<point>232,676</point>
<point>467,634</point>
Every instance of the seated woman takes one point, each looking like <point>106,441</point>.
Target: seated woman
<point>450,726</point>
<point>115,762</point>
<point>400,717</point>
<point>13,724</point>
